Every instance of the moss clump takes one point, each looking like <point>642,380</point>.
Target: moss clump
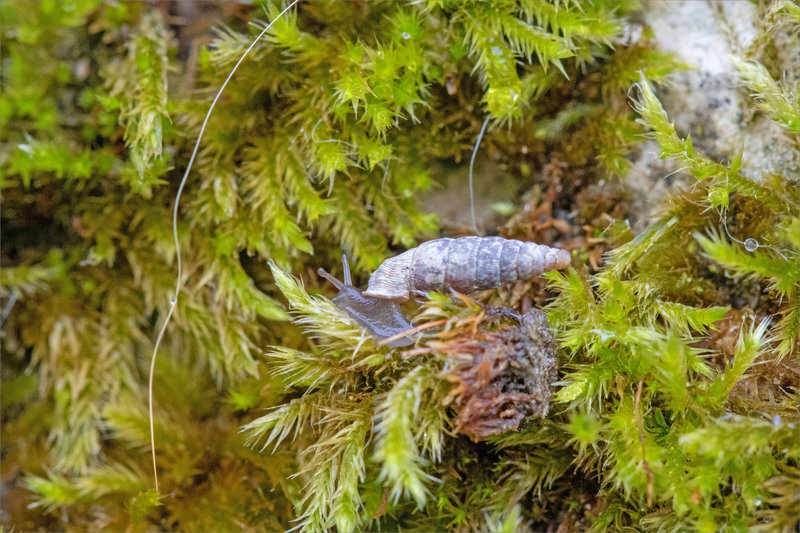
<point>678,399</point>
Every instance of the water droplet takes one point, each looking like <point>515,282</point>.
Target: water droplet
<point>173,301</point>
<point>405,35</point>
<point>776,420</point>
<point>751,245</point>
<point>497,51</point>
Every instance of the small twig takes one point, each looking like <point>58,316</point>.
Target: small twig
<point>464,347</point>
<point>472,321</point>
<point>381,510</point>
<point>648,471</point>
<point>416,329</point>
<point>468,302</point>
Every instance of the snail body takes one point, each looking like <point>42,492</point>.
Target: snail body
<point>381,317</point>
<point>465,264</point>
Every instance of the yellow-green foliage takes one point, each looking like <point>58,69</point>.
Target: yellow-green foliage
<point>661,418</point>
<point>371,429</point>
<point>778,99</point>
<point>323,142</point>
<point>403,398</point>
<point>713,455</point>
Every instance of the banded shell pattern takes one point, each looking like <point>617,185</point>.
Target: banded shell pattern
<point>465,264</point>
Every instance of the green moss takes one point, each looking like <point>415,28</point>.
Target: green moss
<point>677,351</point>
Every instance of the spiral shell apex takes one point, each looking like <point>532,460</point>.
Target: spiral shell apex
<point>466,264</point>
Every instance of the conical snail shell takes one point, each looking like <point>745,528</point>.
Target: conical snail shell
<point>466,264</point>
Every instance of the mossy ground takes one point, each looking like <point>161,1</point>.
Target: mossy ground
<point>676,405</point>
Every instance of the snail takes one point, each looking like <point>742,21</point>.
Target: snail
<point>381,317</point>
<point>465,264</point>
